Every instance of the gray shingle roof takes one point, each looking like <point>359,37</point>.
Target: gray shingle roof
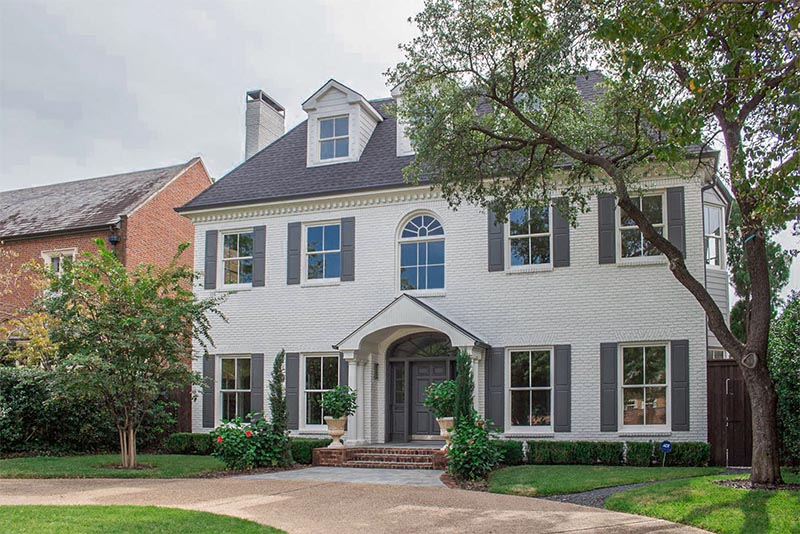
<point>81,204</point>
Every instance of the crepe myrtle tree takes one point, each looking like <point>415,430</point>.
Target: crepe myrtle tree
<point>491,105</point>
<point>126,335</point>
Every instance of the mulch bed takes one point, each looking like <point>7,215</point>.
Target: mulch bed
<point>743,483</point>
<point>456,483</point>
<point>256,471</point>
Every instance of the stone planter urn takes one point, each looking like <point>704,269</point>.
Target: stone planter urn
<point>336,431</point>
<point>445,430</point>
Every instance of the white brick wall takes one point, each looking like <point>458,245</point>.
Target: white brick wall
<point>583,305</point>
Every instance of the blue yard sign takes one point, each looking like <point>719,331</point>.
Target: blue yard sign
<point>666,446</point>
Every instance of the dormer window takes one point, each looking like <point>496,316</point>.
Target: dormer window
<point>334,140</point>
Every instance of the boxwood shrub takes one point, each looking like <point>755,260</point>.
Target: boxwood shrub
<point>639,453</point>
<point>633,453</point>
<point>189,443</point>
<point>511,452</point>
<point>688,454</point>
<point>302,447</point>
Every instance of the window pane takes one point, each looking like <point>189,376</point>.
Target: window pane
<point>314,408</point>
<point>520,408</point>
<point>540,250</point>
<point>246,271</point>
<point>230,247</point>
<point>422,278</point>
<point>314,238</point>
<point>331,237</point>
<point>632,372</point>
<point>520,370</point>
<point>231,271</point>
<point>228,374</point>
<point>540,220</point>
<point>55,264</point>
<point>713,221</point>
<point>436,277</point>
<point>341,126</point>
<point>540,369</point>
<point>313,373</point>
<point>342,148</point>
<point>326,150</point>
<point>399,385</point>
<point>624,219</point>
<point>330,373</point>
<point>655,365</point>
<point>649,248</point>
<point>325,128</point>
<point>228,406</point>
<point>540,408</point>
<point>408,278</point>
<point>243,404</point>
<point>315,266</point>
<point>246,244</point>
<point>332,265</point>
<point>408,254</point>
<point>712,251</point>
<point>435,252</point>
<point>243,373</point>
<point>631,242</point>
<point>518,218</point>
<point>651,207</point>
<point>656,406</point>
<point>633,407</point>
<point>435,228</point>
<point>520,251</point>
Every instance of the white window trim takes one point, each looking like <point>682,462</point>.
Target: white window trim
<point>305,281</point>
<point>221,259</point>
<point>643,429</point>
<point>49,255</point>
<point>438,292</point>
<point>527,430</point>
<point>218,382</point>
<point>723,263</point>
<point>531,268</point>
<point>642,260</point>
<point>302,426</point>
<point>334,138</point>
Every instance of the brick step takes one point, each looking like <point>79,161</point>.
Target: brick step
<point>396,450</point>
<point>398,458</point>
<point>387,465</point>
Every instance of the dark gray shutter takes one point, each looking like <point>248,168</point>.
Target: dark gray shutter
<point>259,256</point>
<point>495,386</point>
<point>608,387</point>
<point>293,389</point>
<point>257,385</point>
<point>343,371</point>
<point>293,253</point>
<point>348,244</point>
<point>562,394</point>
<point>496,237</point>
<point>607,232</point>
<point>560,234</point>
<point>210,280</point>
<point>208,391</point>
<point>679,354</point>
<point>676,218</point>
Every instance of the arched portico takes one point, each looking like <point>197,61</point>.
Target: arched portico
<point>368,352</point>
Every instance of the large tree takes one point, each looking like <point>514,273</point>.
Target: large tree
<point>126,335</point>
<point>491,105</point>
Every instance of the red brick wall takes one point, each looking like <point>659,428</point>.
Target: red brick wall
<point>154,231</point>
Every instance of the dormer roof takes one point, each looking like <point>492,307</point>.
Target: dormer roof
<point>353,97</point>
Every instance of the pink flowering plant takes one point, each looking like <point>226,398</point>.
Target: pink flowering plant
<point>440,398</point>
<point>472,453</point>
<point>246,445</point>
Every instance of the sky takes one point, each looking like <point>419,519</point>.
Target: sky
<point>97,87</point>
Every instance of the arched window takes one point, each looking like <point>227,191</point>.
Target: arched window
<point>422,254</point>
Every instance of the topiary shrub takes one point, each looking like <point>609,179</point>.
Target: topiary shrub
<point>339,402</point>
<point>639,453</point>
<point>189,443</point>
<point>302,448</point>
<point>510,452</point>
<point>440,398</point>
<point>241,445</point>
<point>464,411</point>
<point>473,452</point>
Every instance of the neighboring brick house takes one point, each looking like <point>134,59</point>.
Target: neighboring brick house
<point>133,212</point>
<point>325,251</point>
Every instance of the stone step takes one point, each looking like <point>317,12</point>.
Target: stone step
<point>387,465</point>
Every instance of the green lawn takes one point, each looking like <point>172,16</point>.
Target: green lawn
<point>701,503</point>
<point>121,519</point>
<point>100,466</point>
<point>541,480</point>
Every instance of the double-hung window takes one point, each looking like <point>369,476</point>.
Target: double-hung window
<point>234,387</point>
<point>712,230</point>
<point>422,254</point>
<point>644,385</point>
<point>321,375</point>
<point>323,252</point>
<point>334,140</point>
<point>632,243</point>
<point>237,258</point>
<point>57,259</point>
<point>530,388</point>
<point>529,236</point>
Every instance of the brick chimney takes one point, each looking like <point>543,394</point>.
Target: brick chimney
<point>264,122</point>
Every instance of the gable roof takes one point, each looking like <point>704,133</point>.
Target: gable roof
<point>81,204</point>
<point>353,97</point>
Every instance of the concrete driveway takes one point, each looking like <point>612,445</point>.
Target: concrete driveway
<point>312,507</point>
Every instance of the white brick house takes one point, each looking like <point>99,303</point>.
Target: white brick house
<point>325,252</point>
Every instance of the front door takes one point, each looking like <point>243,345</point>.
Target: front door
<point>423,374</point>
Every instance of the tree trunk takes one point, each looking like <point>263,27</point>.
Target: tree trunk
<point>766,468</point>
<point>127,446</point>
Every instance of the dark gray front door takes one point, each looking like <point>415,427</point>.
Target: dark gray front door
<point>398,423</point>
<point>424,374</point>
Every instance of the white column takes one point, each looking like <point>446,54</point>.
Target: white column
<point>362,407</point>
<point>352,381</point>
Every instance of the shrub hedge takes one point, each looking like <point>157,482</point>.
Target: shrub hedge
<point>633,453</point>
<point>510,452</point>
<point>302,447</point>
<point>189,443</point>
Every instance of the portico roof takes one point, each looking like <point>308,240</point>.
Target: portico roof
<point>407,310</point>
